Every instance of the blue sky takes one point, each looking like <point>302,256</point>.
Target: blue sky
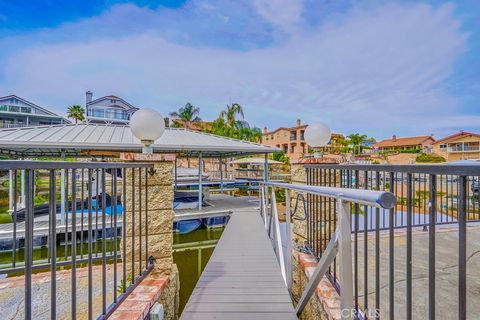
<point>374,66</point>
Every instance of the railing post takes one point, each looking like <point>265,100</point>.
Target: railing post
<point>277,236</point>
<point>345,255</point>
<point>462,248</point>
<point>288,240</point>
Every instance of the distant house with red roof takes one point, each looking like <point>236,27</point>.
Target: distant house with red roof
<point>421,143</point>
<point>459,146</point>
<point>109,109</point>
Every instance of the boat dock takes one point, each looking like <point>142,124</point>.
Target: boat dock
<point>242,279</point>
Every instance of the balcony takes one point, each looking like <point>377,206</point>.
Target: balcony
<point>108,114</point>
<point>464,148</point>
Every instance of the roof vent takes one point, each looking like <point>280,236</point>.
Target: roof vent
<point>394,138</point>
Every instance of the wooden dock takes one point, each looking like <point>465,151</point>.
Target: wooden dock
<point>242,280</point>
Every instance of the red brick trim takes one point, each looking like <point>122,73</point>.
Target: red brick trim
<point>139,302</point>
<point>325,292</point>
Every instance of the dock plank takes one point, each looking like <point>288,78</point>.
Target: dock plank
<point>242,279</point>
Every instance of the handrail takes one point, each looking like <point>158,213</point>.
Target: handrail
<point>441,169</point>
<point>340,241</point>
<point>378,199</point>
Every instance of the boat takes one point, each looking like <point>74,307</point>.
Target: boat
<point>42,210</point>
<point>187,226</point>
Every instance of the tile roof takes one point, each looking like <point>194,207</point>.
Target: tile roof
<point>406,141</point>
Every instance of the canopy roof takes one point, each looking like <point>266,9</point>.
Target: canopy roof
<point>255,161</point>
<point>79,139</point>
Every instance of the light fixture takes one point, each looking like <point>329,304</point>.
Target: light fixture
<point>317,135</point>
<point>147,125</point>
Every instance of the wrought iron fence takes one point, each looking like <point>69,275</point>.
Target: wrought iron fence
<point>430,199</point>
<point>69,217</point>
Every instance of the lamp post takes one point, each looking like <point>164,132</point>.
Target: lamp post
<point>147,125</point>
<point>317,135</point>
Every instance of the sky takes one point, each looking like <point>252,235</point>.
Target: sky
<point>376,67</point>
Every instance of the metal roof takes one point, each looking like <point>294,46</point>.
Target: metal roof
<point>75,139</point>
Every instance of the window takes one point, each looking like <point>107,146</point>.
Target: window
<point>14,108</point>
<point>26,110</point>
<point>272,136</point>
<point>443,146</point>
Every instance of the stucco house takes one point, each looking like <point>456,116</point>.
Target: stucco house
<point>109,109</point>
<point>420,143</point>
<point>459,146</point>
<point>19,112</point>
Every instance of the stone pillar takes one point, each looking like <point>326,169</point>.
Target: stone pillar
<point>159,221</point>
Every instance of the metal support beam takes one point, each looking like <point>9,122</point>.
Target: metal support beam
<point>221,174</point>
<point>200,178</point>
<point>22,191</point>
<point>62,193</point>
<point>345,263</point>
<point>10,190</point>
<point>265,168</point>
<point>175,173</point>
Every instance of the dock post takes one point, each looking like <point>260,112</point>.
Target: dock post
<point>200,172</point>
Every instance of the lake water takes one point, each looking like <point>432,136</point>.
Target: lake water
<point>191,254</point>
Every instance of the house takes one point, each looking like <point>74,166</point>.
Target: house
<point>420,143</point>
<point>291,140</point>
<point>18,112</point>
<point>109,109</point>
<point>459,146</point>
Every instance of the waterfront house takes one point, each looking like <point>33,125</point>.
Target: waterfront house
<point>291,140</point>
<point>108,110</point>
<point>18,112</point>
<point>459,146</point>
<point>419,143</point>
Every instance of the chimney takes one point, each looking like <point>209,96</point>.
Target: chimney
<point>88,96</point>
<point>265,130</point>
<point>394,138</point>
<point>299,122</point>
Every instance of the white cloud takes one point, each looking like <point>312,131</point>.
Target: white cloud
<point>285,14</point>
<point>378,71</point>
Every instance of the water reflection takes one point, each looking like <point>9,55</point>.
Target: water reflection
<point>191,253</point>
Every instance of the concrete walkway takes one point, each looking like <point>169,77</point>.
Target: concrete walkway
<point>242,280</point>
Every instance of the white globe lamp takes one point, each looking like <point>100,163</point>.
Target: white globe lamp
<point>147,125</point>
<point>317,135</point>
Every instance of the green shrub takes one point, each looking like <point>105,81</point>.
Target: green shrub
<point>429,158</point>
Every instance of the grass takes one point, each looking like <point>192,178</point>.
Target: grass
<point>5,218</point>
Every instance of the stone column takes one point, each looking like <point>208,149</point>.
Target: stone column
<point>159,222</point>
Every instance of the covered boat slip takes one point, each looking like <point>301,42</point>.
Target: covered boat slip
<point>242,279</point>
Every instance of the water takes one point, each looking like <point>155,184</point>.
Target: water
<point>191,254</point>
<point>400,219</point>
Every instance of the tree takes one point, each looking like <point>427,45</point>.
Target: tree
<point>76,112</point>
<point>229,114</point>
<point>187,115</point>
<point>356,140</point>
<point>228,124</point>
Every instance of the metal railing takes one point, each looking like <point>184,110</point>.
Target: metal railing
<point>431,200</point>
<point>340,240</point>
<point>70,216</point>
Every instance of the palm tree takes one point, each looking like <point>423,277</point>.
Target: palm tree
<point>229,115</point>
<point>76,112</point>
<point>187,115</point>
<point>256,134</point>
<point>356,140</point>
